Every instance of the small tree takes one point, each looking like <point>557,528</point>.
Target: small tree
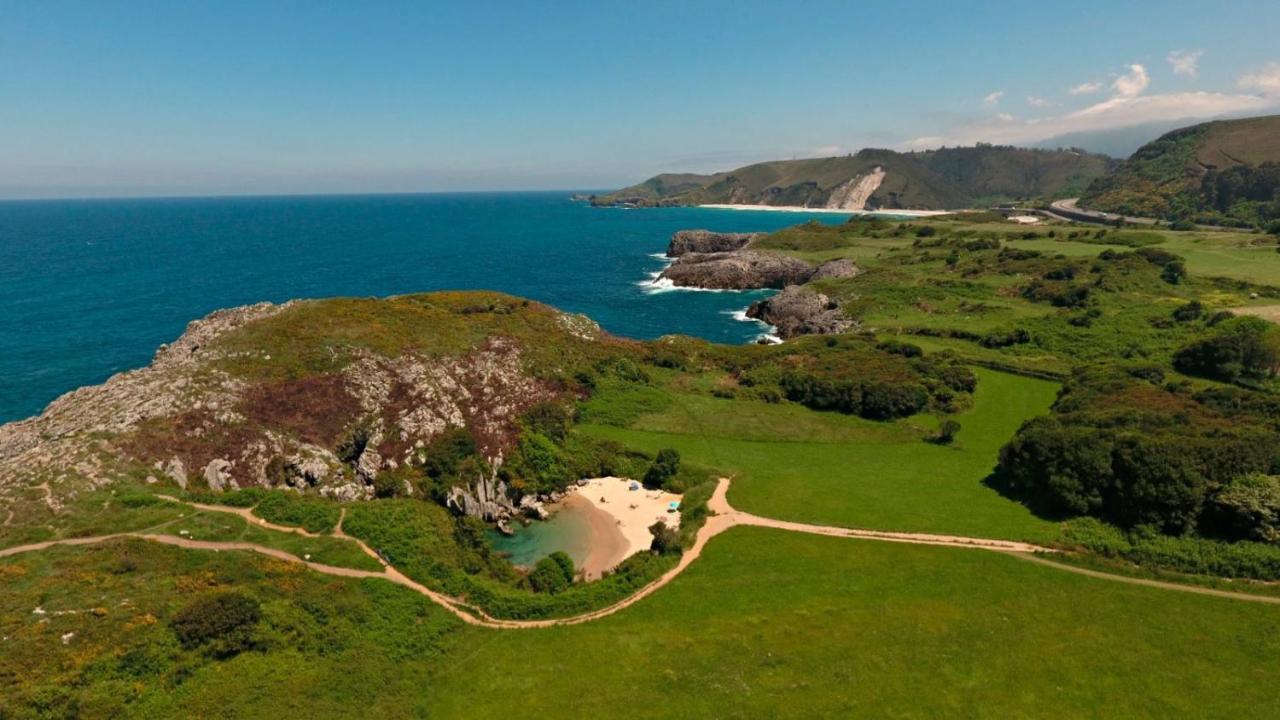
<point>947,432</point>
<point>552,574</point>
<point>664,467</point>
<point>665,539</point>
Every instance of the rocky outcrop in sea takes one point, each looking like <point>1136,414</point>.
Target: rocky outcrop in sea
<point>706,241</point>
<point>801,311</point>
<point>738,270</point>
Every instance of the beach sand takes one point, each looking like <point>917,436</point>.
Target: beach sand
<point>621,519</point>
<point>797,209</point>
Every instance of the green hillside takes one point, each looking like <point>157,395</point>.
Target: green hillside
<point>932,179</point>
<point>1225,172</point>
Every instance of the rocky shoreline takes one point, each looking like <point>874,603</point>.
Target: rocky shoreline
<point>726,261</point>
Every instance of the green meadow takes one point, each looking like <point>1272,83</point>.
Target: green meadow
<point>764,624</point>
<point>838,470</point>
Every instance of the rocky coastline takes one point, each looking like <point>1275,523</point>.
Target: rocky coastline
<point>727,261</point>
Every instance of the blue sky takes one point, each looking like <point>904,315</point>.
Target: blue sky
<point>163,98</point>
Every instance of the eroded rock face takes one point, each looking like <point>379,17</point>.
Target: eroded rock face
<point>739,270</point>
<point>706,241</point>
<point>186,421</point>
<point>798,311</point>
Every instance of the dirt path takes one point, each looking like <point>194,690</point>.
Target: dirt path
<point>724,517</point>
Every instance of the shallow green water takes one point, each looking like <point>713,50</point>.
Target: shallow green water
<point>567,530</point>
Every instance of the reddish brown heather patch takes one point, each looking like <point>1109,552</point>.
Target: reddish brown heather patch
<point>1153,400</point>
<point>399,401</point>
<point>316,409</point>
<point>195,437</point>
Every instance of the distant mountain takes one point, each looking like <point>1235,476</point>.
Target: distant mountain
<point>942,179</point>
<point>1223,172</point>
<point>1118,142</point>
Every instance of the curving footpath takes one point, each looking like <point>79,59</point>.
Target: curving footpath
<point>724,517</point>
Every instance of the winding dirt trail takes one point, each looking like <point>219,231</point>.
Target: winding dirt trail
<point>724,517</point>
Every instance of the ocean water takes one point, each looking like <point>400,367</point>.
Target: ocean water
<point>89,288</point>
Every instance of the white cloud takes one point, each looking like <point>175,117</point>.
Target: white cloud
<point>1185,62</point>
<point>1116,112</point>
<point>827,151</point>
<point>1265,81</point>
<point>993,99</point>
<point>1132,83</point>
<point>1038,102</point>
<point>1087,88</point>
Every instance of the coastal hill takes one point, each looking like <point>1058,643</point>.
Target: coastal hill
<point>1225,172</point>
<point>880,179</point>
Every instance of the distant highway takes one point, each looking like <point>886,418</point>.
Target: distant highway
<point>1067,210</point>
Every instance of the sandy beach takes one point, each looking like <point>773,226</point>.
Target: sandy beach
<point>798,209</point>
<point>620,523</point>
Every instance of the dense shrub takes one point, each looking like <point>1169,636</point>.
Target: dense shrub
<point>1245,348</point>
<point>552,574</point>
<point>885,401</point>
<point>1193,555</point>
<point>666,541</point>
<point>1249,508</point>
<point>664,467</point>
<point>947,432</point>
<point>1135,454</point>
<point>287,508</point>
<point>221,623</point>
<point>1193,310</point>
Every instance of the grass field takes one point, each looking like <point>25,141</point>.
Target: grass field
<point>764,624</point>
<point>828,628</point>
<point>862,474</point>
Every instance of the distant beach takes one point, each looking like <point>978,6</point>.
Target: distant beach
<point>828,211</point>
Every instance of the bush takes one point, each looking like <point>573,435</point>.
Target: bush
<point>884,401</point>
<point>666,541</point>
<point>897,347</point>
<point>309,513</point>
<point>664,467</point>
<point>1173,272</point>
<point>1191,311</point>
<point>552,574</point>
<point>1273,228</point>
<point>947,432</point>
<point>1249,507</point>
<point>1245,348</point>
<point>222,623</point>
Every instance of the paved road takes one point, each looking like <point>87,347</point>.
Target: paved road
<point>1067,210</point>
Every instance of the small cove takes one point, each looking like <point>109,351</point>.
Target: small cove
<point>568,530</point>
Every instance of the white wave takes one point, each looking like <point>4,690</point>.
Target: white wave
<point>658,284</point>
<point>662,256</point>
<point>741,316</point>
<point>769,339</point>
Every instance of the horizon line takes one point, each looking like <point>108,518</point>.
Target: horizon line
<point>288,195</point>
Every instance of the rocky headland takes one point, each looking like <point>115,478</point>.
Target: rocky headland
<point>261,396</point>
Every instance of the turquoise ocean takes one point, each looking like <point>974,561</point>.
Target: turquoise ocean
<point>89,288</point>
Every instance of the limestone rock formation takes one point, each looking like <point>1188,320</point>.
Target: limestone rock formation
<point>739,270</point>
<point>800,311</point>
<point>706,241</point>
<point>836,270</point>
